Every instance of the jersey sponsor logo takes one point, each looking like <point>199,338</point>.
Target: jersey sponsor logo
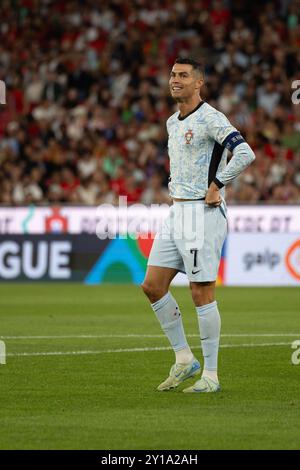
<point>188,136</point>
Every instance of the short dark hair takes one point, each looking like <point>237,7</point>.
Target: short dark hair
<point>196,64</point>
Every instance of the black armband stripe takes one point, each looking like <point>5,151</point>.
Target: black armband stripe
<point>218,183</point>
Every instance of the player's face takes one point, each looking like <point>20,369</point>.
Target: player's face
<point>184,82</point>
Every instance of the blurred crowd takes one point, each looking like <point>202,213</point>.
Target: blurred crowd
<point>88,96</point>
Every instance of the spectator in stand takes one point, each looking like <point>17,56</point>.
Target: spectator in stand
<point>87,95</point>
<point>155,193</point>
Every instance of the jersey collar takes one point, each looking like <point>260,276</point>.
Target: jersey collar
<point>181,118</point>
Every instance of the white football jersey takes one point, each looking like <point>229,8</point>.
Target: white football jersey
<point>198,145</point>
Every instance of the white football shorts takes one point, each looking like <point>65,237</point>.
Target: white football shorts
<point>191,239</point>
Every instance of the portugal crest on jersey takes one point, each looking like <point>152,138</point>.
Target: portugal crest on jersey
<point>188,136</point>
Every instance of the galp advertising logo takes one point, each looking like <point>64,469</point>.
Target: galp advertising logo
<point>288,260</point>
<point>292,260</point>
<point>265,258</point>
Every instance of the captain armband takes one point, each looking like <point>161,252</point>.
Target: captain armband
<point>232,140</point>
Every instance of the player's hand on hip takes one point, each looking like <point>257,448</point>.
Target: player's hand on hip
<point>212,197</point>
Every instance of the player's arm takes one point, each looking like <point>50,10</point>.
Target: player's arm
<point>220,129</point>
<point>242,156</point>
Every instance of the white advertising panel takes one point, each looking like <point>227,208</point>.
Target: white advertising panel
<point>263,259</point>
<point>82,220</point>
<point>86,220</point>
<point>274,219</point>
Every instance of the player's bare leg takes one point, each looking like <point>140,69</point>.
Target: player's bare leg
<point>203,294</point>
<point>157,282</point>
<point>156,287</point>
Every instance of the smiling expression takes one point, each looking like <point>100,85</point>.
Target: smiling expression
<point>185,82</point>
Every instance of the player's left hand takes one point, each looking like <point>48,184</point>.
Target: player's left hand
<point>212,197</point>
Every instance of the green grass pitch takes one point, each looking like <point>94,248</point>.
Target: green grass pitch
<point>83,363</point>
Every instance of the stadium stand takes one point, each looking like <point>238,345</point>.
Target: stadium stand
<point>88,97</point>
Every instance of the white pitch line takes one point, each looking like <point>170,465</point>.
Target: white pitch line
<point>84,336</point>
<point>160,348</point>
<point>229,335</point>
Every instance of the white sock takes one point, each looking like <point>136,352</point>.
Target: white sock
<point>211,374</point>
<point>184,356</point>
<point>169,317</point>
<point>210,326</point>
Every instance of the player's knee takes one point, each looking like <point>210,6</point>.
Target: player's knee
<point>201,296</point>
<point>153,291</point>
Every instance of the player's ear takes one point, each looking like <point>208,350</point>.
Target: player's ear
<point>199,83</point>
